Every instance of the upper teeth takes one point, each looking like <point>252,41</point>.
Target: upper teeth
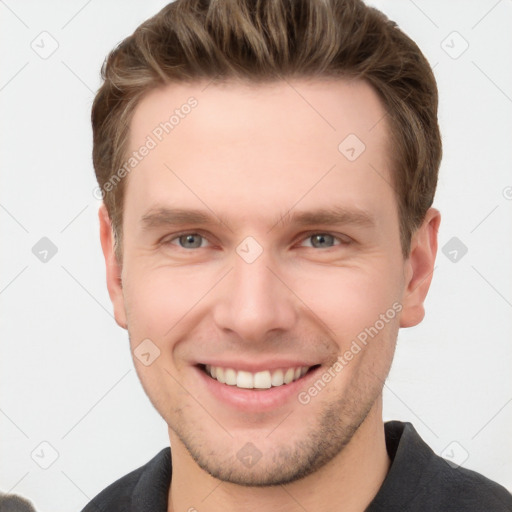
<point>259,380</point>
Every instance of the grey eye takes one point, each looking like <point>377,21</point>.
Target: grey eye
<point>190,241</point>
<point>322,240</point>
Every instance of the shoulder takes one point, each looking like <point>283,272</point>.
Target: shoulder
<point>421,480</point>
<point>119,496</point>
<point>459,488</point>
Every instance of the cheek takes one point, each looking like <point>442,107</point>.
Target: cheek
<point>161,301</point>
<point>158,299</point>
<point>350,299</point>
<point>157,303</point>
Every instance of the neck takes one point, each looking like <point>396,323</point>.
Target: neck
<point>348,482</point>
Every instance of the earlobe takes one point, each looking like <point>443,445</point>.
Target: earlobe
<point>419,269</point>
<point>113,267</point>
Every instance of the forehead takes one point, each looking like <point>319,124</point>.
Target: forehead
<point>333,107</point>
<point>261,145</point>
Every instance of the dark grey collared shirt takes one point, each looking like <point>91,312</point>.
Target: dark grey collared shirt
<point>418,481</point>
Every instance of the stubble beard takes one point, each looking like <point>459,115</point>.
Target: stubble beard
<point>327,438</point>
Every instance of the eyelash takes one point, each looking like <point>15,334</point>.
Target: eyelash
<point>303,237</point>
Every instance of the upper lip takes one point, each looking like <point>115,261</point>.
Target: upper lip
<point>258,366</point>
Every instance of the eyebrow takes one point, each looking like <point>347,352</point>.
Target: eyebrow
<point>158,217</point>
<point>337,215</point>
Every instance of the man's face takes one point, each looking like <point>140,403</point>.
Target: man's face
<point>266,282</point>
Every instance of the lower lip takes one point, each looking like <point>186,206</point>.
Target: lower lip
<point>256,400</point>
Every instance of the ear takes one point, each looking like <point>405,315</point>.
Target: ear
<point>419,268</point>
<point>113,267</point>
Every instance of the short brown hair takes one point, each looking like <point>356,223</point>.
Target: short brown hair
<point>268,40</point>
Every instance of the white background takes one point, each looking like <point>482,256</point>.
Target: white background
<point>66,373</point>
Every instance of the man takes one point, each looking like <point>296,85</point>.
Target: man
<point>268,172</point>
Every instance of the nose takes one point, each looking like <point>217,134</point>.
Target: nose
<point>254,300</point>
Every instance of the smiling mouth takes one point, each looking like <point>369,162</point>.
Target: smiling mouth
<point>261,380</point>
